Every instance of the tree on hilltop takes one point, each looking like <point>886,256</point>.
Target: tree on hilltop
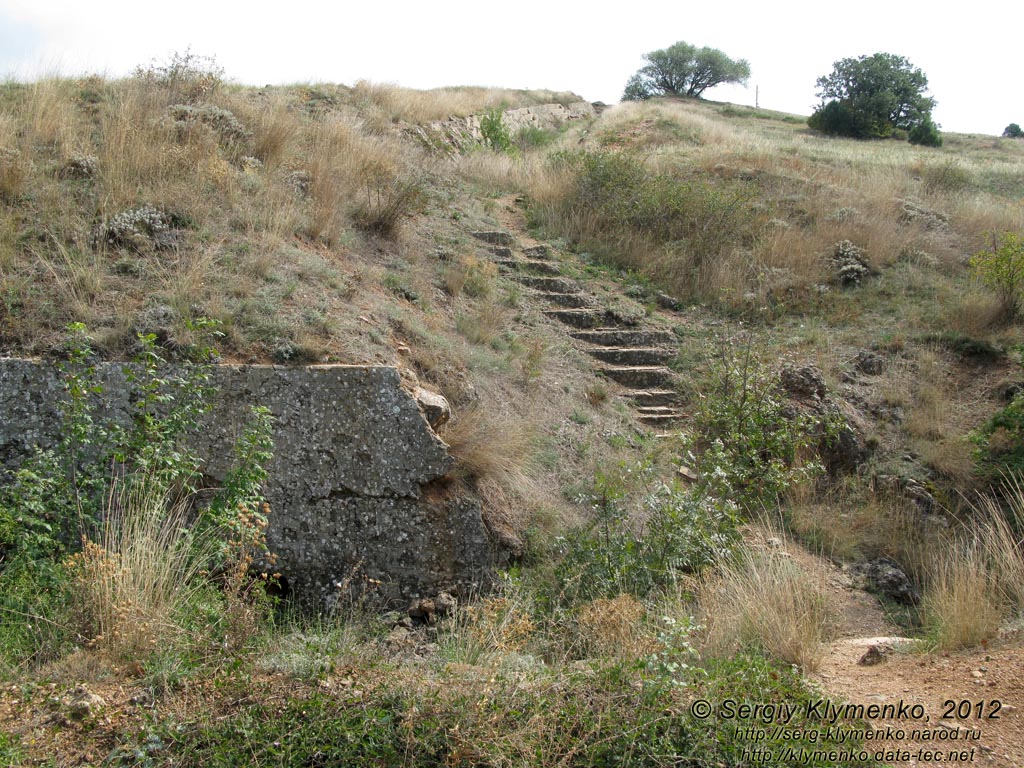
<point>684,70</point>
<point>872,96</point>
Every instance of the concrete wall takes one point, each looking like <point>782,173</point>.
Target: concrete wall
<point>352,454</point>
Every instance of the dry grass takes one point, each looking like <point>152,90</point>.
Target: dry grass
<point>615,628</point>
<point>976,582</point>
<point>764,599</point>
<point>392,103</point>
<point>133,584</point>
<point>490,445</point>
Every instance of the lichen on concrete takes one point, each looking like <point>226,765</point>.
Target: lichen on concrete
<point>352,453</point>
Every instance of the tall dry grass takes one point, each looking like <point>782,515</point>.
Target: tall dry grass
<point>389,103</point>
<point>135,581</point>
<point>976,583</point>
<point>763,598</point>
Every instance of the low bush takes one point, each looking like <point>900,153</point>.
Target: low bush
<point>681,532</point>
<point>748,442</point>
<point>926,134</point>
<point>1001,268</point>
<point>103,540</point>
<point>494,132</point>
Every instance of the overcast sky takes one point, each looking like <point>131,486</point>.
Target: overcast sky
<point>971,55</point>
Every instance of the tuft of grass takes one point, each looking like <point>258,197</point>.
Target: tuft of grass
<point>135,584</point>
<point>491,445</point>
<point>976,582</point>
<point>762,599</point>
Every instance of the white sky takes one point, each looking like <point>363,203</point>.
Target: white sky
<point>971,54</point>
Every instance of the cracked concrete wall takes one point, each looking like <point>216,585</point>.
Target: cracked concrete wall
<point>352,455</point>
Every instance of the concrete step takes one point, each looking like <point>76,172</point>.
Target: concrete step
<point>659,410</point>
<point>646,398</point>
<point>548,284</point>
<point>638,376</point>
<point>578,318</point>
<point>621,337</point>
<point>659,418</point>
<point>568,300</point>
<point>631,355</point>
<point>502,252</point>
<point>536,267</point>
<point>494,237</point>
<point>538,252</point>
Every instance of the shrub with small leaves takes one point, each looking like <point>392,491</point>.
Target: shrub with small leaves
<point>926,134</point>
<point>495,134</point>
<point>221,121</point>
<point>137,229</point>
<point>187,75</point>
<point>80,167</point>
<point>748,443</point>
<point>1001,268</point>
<point>1013,131</point>
<point>849,264</point>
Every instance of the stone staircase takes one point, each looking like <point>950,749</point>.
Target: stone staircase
<point>630,355</point>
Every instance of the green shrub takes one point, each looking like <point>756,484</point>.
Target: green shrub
<point>925,133</point>
<point>837,119</point>
<point>63,500</point>
<point>682,532</point>
<point>748,442</point>
<point>494,131</point>
<point>1013,131</point>
<point>1001,268</point>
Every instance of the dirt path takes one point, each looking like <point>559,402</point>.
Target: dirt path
<point>992,677</point>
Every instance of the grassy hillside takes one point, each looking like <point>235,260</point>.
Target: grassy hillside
<point>660,566</point>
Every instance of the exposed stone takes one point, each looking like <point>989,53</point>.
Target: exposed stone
<point>914,213</point>
<point>352,452</point>
<point>868,362</point>
<point>495,238</point>
<point>875,654</point>
<point>886,578</point>
<point>434,406</point>
<point>668,302</point>
<point>458,134</point>
<point>847,448</point>
<point>803,381</point>
<point>84,704</point>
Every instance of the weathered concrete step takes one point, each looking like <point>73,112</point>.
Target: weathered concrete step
<point>646,398</point>
<point>548,284</point>
<point>538,267</point>
<point>631,355</point>
<point>494,237</point>
<point>659,418</point>
<point>568,300</point>
<point>659,410</point>
<point>621,337</point>
<point>579,318</point>
<point>502,253</point>
<point>537,252</point>
<point>638,376</point>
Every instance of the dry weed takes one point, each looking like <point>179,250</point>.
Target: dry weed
<point>764,599</point>
<point>615,628</point>
<point>134,582</point>
<point>976,582</point>
<point>490,445</point>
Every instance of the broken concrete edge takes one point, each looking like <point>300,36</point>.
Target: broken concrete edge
<point>456,134</point>
<point>353,455</point>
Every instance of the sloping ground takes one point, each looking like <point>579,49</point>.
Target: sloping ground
<point>990,680</point>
